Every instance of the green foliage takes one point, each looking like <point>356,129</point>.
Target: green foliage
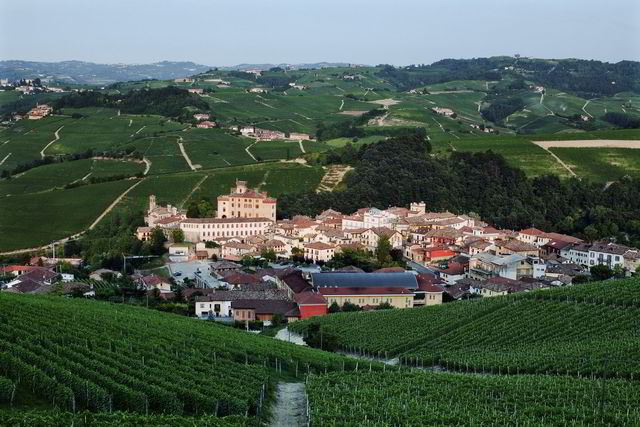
<point>157,240</point>
<point>398,398</point>
<point>383,250</point>
<point>7,390</point>
<point>623,120</point>
<point>268,254</point>
<point>601,272</point>
<point>177,235</point>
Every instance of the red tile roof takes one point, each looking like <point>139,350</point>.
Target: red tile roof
<point>531,231</point>
<point>310,298</point>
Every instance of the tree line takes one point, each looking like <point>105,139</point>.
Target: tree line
<point>398,171</point>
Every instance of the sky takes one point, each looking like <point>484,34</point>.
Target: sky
<point>398,32</point>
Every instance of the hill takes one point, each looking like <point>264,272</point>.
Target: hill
<point>81,72</point>
<point>477,364</point>
<point>586,330</point>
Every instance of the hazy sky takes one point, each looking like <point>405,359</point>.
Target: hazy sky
<point>227,32</point>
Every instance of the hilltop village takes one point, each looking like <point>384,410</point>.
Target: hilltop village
<point>245,265</point>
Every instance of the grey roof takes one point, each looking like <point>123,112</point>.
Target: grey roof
<point>499,260</point>
<point>368,280</point>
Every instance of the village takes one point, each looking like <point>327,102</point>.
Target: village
<point>446,257</point>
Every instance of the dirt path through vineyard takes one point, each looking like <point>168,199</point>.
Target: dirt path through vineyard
<point>290,409</point>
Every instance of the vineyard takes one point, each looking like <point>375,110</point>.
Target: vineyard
<point>423,398</point>
<point>587,330</point>
<point>86,355</point>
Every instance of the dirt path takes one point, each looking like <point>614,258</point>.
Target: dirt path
<point>585,106</point>
<point>193,190</point>
<point>147,164</point>
<point>302,147</point>
<point>288,336</point>
<point>249,152</point>
<point>558,159</point>
<point>591,143</point>
<point>303,116</point>
<point>130,122</point>
<point>57,137</point>
<point>138,131</point>
<point>186,156</point>
<point>5,158</point>
<point>290,409</point>
<point>341,105</point>
<point>74,236</point>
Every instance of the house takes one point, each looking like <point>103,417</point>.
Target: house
<point>353,222</point>
<point>318,251</point>
<point>236,250</point>
<point>372,236</point>
<point>196,90</point>
<point>632,260</point>
<point>201,116</point>
<point>375,218</point>
<point>609,254</point>
<point>311,304</point>
<point>429,287</point>
<point>217,303</point>
<point>497,286</point>
<point>447,112</point>
<point>484,265</point>
<point>183,80</point>
<point>144,233</point>
<point>428,254</point>
<point>221,268</point>
<point>510,247</point>
<point>529,235</point>
<point>206,125</point>
<point>454,272</point>
<point>97,274</point>
<point>242,202</point>
<point>577,253</point>
<point>37,280</point>
<point>153,281</point>
<point>257,90</point>
<point>251,310</point>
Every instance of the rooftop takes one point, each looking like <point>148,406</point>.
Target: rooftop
<point>368,280</point>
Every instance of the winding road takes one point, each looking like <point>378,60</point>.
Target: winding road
<point>57,137</point>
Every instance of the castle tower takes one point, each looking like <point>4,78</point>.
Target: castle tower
<point>420,207</point>
<point>152,202</point>
<point>241,187</point>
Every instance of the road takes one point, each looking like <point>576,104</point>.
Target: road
<point>186,157</point>
<point>74,236</point>
<point>5,158</point>
<point>57,137</point>
<point>585,106</point>
<point>302,147</point>
<point>290,409</point>
<point>147,164</point>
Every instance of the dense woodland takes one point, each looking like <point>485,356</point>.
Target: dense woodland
<point>478,183</point>
<point>169,101</point>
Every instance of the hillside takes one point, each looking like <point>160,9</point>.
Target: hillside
<point>171,370</point>
<point>586,330</point>
<point>562,126</point>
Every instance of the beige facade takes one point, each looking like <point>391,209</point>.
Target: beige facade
<point>243,202</point>
<point>203,229</point>
<point>397,301</point>
<point>319,251</point>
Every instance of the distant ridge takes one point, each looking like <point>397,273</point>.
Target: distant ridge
<point>82,72</point>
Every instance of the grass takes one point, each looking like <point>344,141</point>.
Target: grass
<point>272,150</point>
<point>31,220</point>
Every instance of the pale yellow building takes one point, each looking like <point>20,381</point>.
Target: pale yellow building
<point>397,297</point>
<point>243,202</point>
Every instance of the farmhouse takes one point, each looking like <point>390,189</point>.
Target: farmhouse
<point>448,112</point>
<point>242,202</point>
<point>39,111</point>
<point>299,136</point>
<point>201,116</point>
<point>206,125</point>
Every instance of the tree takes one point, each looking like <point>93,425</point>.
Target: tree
<point>601,272</point>
<point>334,308</point>
<point>384,306</point>
<point>278,319</point>
<point>383,250</point>
<point>618,271</point>
<point>157,241</point>
<point>638,269</point>
<point>177,235</point>
<point>349,306</point>
<point>268,254</point>
<point>581,278</point>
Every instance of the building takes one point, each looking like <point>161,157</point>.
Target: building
<point>447,112</point>
<point>206,125</point>
<point>264,310</point>
<point>318,251</point>
<point>484,266</point>
<point>201,116</point>
<point>510,247</point>
<point>268,135</point>
<point>218,303</point>
<point>196,90</point>
<point>153,281</point>
<point>609,254</point>
<point>311,304</point>
<point>170,215</point>
<point>204,229</point>
<point>144,233</point>
<point>243,202</point>
<point>529,235</point>
<point>367,289</point>
<point>299,136</point>
<point>39,111</point>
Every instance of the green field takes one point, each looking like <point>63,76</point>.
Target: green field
<point>601,164</point>
<point>36,219</point>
